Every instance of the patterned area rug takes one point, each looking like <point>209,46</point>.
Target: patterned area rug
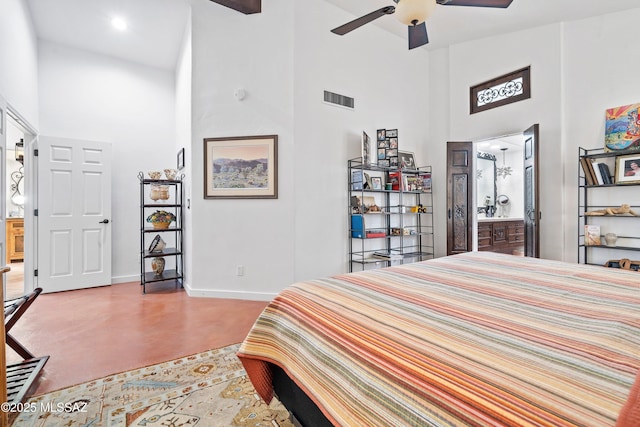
<point>209,389</point>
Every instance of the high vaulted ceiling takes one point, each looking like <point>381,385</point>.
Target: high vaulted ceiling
<point>156,27</point>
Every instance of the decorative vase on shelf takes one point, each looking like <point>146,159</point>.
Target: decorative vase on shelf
<point>170,174</point>
<point>161,220</point>
<point>159,192</point>
<point>157,265</point>
<point>610,239</point>
<point>157,244</point>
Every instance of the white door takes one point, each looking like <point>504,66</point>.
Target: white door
<point>74,212</point>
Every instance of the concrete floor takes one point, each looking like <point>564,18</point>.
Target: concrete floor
<point>92,333</point>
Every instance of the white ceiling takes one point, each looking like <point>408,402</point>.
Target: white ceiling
<point>155,33</point>
<point>156,27</point>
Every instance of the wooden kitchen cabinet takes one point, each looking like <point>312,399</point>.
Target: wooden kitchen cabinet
<point>15,239</point>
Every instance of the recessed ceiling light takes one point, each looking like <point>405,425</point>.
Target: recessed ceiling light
<point>119,23</point>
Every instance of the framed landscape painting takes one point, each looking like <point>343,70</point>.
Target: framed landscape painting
<point>241,167</point>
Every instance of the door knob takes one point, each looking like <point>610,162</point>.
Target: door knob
<point>104,221</point>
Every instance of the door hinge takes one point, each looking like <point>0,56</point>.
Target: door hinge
<point>35,212</point>
<point>35,272</point>
<point>35,152</point>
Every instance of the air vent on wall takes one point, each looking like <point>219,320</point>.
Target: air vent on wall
<point>340,100</point>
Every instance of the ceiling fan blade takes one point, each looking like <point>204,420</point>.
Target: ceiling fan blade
<point>418,35</point>
<point>357,23</point>
<point>477,3</point>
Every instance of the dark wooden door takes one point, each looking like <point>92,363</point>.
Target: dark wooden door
<point>459,197</point>
<point>531,189</point>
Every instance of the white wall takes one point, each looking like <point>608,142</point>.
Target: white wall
<point>389,85</point>
<point>600,72</point>
<point>284,58</point>
<point>94,97</point>
<point>254,52</point>
<point>468,64</point>
<point>19,60</point>
<point>183,140</point>
<point>578,70</point>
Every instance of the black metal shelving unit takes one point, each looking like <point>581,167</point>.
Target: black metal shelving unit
<point>402,229</point>
<point>590,198</point>
<point>173,254</point>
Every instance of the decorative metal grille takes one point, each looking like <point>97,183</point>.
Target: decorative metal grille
<point>502,90</point>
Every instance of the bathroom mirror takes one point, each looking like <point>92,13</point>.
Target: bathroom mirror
<point>486,181</point>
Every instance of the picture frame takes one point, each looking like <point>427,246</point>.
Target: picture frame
<point>368,157</point>
<point>1,122</point>
<point>241,167</point>
<point>376,183</point>
<point>392,133</point>
<point>382,134</point>
<point>180,159</point>
<point>406,160</point>
<point>628,169</point>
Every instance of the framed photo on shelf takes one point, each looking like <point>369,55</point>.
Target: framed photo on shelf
<point>376,183</point>
<point>628,169</point>
<point>406,160</point>
<point>241,167</point>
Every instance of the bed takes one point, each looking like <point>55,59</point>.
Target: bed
<point>475,339</point>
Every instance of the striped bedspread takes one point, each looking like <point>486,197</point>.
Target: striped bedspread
<point>476,339</point>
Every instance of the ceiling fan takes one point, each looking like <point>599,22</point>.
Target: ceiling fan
<point>414,13</point>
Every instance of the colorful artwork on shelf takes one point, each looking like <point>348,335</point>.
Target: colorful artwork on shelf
<point>622,131</point>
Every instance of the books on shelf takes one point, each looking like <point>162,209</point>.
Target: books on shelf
<point>357,226</point>
<point>592,235</point>
<point>589,175</point>
<point>598,173</point>
<point>595,173</point>
<point>426,182</point>
<point>386,255</point>
<point>605,173</point>
<point>359,230</point>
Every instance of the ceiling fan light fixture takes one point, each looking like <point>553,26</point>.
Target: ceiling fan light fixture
<point>414,12</point>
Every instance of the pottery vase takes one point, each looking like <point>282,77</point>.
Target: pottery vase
<point>170,174</point>
<point>157,264</point>
<point>159,192</point>
<point>157,244</point>
<point>610,239</point>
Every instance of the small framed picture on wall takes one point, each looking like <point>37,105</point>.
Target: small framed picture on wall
<point>180,159</point>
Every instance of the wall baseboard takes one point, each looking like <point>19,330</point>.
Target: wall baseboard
<point>205,293</point>
<point>209,293</point>
<point>125,279</point>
